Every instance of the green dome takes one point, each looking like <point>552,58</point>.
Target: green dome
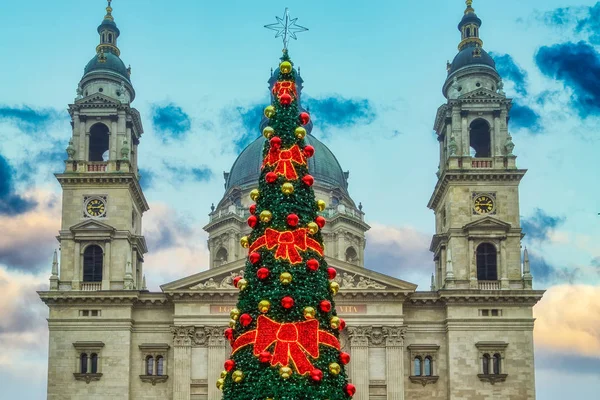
<point>112,64</point>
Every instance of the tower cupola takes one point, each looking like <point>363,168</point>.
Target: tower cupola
<point>469,28</point>
<point>109,33</point>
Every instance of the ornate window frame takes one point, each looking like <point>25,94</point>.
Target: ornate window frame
<point>423,352</point>
<point>156,351</point>
<point>490,349</point>
<point>88,348</point>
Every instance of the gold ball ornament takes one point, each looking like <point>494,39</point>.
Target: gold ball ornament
<point>223,374</point>
<point>312,228</point>
<point>234,314</point>
<point>242,284</point>
<point>269,111</point>
<point>321,205</point>
<point>334,322</point>
<point>285,67</point>
<point>268,132</point>
<point>285,372</point>
<point>220,383</point>
<point>335,368</point>
<point>264,306</point>
<point>300,132</point>
<point>245,242</point>
<point>287,188</point>
<point>334,287</point>
<point>309,312</point>
<point>232,323</point>
<point>285,278</point>
<point>254,194</point>
<point>266,216</point>
<point>237,376</point>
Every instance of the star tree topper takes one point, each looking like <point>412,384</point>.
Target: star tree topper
<point>286,27</point>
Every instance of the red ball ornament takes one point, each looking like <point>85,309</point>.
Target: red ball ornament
<point>320,221</point>
<point>342,324</point>
<point>265,357</point>
<point>331,273</point>
<point>275,142</point>
<point>263,273</point>
<point>245,319</point>
<point>308,180</point>
<point>254,257</point>
<point>292,220</point>
<point>252,209</point>
<point>316,375</point>
<point>287,302</point>
<point>252,221</point>
<point>285,99</point>
<point>236,280</point>
<point>309,151</point>
<point>350,389</point>
<point>312,264</point>
<point>228,334</point>
<point>271,177</point>
<point>325,306</point>
<point>344,358</point>
<point>229,365</point>
<point>304,118</point>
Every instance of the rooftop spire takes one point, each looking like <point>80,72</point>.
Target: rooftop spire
<point>469,28</point>
<point>469,9</point>
<point>109,11</point>
<point>109,33</point>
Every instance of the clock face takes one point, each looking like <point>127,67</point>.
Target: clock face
<point>95,208</point>
<point>483,204</point>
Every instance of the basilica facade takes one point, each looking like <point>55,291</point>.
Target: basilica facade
<point>468,336</point>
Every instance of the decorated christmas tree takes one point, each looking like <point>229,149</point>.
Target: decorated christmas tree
<point>284,331</point>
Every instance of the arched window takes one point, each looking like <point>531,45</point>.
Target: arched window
<point>428,366</point>
<point>496,364</point>
<point>103,38</point>
<point>486,364</point>
<point>98,143</point>
<point>487,262</point>
<point>83,361</point>
<point>468,32</point>
<point>221,257</point>
<point>351,255</point>
<point>110,38</point>
<point>160,367</point>
<point>94,363</point>
<point>149,365</point>
<point>417,366</point>
<point>92,264</point>
<point>480,139</point>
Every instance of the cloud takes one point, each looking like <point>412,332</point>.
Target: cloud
<point>198,174</point>
<point>590,25</point>
<point>540,225</point>
<point>582,20</point>
<point>146,178</point>
<point>170,121</point>
<point>29,119</point>
<point>249,118</point>
<point>340,112</point>
<point>577,66</point>
<point>522,116</point>
<point>508,69</point>
<point>11,203</point>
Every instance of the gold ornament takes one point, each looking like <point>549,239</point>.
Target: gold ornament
<point>223,374</point>
<point>334,322</point>
<point>268,132</point>
<point>300,132</point>
<point>333,286</point>
<point>321,204</point>
<point>335,368</point>
<point>242,284</point>
<point>254,194</point>
<point>232,323</point>
<point>312,227</point>
<point>220,383</point>
<point>269,111</point>
<point>285,372</point>
<point>245,242</point>
<point>309,312</point>
<point>287,188</point>
<point>234,314</point>
<point>285,67</point>
<point>264,306</point>
<point>285,278</point>
<point>237,376</point>
<point>266,216</point>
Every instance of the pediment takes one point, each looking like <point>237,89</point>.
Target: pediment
<point>482,94</point>
<point>97,99</point>
<point>488,224</point>
<point>92,225</point>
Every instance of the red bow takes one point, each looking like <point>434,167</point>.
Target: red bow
<point>292,342</point>
<point>283,161</point>
<point>287,243</point>
<point>282,87</point>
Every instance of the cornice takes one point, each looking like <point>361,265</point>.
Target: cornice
<point>475,296</point>
<point>224,220</point>
<point>340,217</point>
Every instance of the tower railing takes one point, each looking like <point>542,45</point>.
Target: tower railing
<point>91,286</point>
<point>482,163</point>
<point>489,285</point>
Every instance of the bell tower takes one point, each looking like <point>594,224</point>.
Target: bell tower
<point>477,244</point>
<point>101,243</point>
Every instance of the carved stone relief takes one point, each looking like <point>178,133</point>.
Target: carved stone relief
<point>182,335</point>
<point>224,283</point>
<point>348,281</point>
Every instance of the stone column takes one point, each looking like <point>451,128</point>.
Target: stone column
<point>359,343</point>
<point>504,283</point>
<point>106,271</point>
<point>113,139</point>
<point>473,280</point>
<point>394,358</point>
<point>81,139</point>
<point>182,361</point>
<point>465,134</point>
<point>77,272</point>
<point>216,357</point>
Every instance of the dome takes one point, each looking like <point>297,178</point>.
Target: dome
<point>323,166</point>
<point>465,58</point>
<point>112,64</point>
<point>108,24</point>
<point>469,18</point>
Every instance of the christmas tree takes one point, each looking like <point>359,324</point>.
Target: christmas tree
<point>284,331</point>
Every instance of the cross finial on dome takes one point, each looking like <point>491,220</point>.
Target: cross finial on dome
<point>109,11</point>
<point>469,7</point>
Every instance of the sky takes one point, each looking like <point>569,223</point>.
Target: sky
<point>373,73</point>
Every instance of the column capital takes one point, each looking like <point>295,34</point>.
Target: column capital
<point>394,335</point>
<point>359,335</point>
<point>215,335</point>
<point>182,335</point>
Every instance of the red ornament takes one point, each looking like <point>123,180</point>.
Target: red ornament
<point>320,221</point>
<point>287,302</point>
<point>344,358</point>
<point>275,142</point>
<point>229,365</point>
<point>228,334</point>
<point>263,273</point>
<point>254,257</point>
<point>350,389</point>
<point>252,221</point>
<point>304,118</point>
<point>288,244</point>
<point>285,99</point>
<point>309,151</point>
<point>245,319</point>
<point>325,306</point>
<point>265,357</point>
<point>252,209</point>
<point>331,273</point>
<point>292,220</point>
<point>312,264</point>
<point>236,280</point>
<point>271,177</point>
<point>308,180</point>
<point>316,375</point>
<point>342,324</point>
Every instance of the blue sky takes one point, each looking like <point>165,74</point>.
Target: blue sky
<point>372,77</point>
